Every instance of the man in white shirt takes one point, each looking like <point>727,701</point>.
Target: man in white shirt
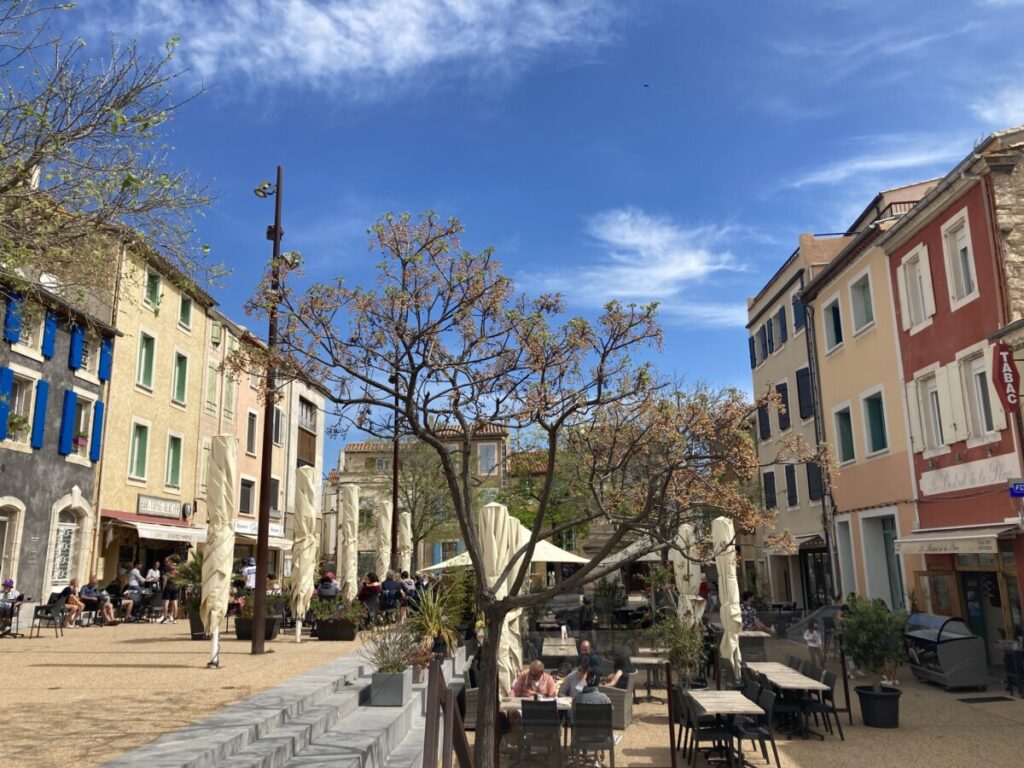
<point>135,575</point>
<point>249,572</point>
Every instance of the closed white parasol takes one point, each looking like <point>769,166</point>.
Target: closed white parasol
<point>383,538</point>
<point>348,538</point>
<point>405,541</point>
<point>722,535</point>
<point>494,534</point>
<point>219,552</point>
<point>687,575</point>
<point>305,545</point>
<point>518,536</point>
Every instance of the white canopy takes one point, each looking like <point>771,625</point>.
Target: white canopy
<point>304,550</point>
<point>405,541</point>
<point>687,575</point>
<point>219,554</point>
<point>348,542</point>
<point>383,547</point>
<point>494,525</point>
<point>543,552</point>
<point>722,535</point>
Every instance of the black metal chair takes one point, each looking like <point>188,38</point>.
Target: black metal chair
<point>825,704</point>
<point>759,730</point>
<point>706,729</point>
<point>793,663</point>
<point>152,606</point>
<point>541,729</point>
<point>592,729</point>
<point>52,614</point>
<point>1013,665</point>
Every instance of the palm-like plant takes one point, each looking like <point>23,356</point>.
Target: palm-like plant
<point>432,618</point>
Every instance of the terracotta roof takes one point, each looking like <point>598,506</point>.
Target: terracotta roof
<point>480,430</point>
<point>367,446</point>
<point>333,477</point>
<point>533,462</point>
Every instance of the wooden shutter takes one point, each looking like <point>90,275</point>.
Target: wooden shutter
<point>803,393</point>
<point>753,352</point>
<point>39,416</point>
<point>945,405</point>
<point>770,500</point>
<point>927,292</point>
<point>12,318</point>
<point>77,347</point>
<point>97,432</point>
<point>914,412</point>
<point>799,314</point>
<point>901,290</point>
<point>763,423</point>
<point>815,489</point>
<point>792,498</point>
<point>781,322</point>
<point>67,423</point>
<point>6,390</point>
<point>106,358</point>
<point>958,410</point>
<point>998,414</point>
<point>49,334</point>
<point>784,418</point>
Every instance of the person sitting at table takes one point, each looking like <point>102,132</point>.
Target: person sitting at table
<point>750,621</point>
<point>73,607</point>
<point>328,588</point>
<point>273,585</point>
<point>96,599</point>
<point>369,594</point>
<point>153,576</point>
<point>590,694</point>
<point>622,669</point>
<point>9,598</point>
<point>575,681</point>
<point>135,576</point>
<point>120,600</point>
<point>534,680</point>
<point>593,661</point>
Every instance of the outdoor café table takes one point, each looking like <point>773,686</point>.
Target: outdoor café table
<point>788,680</point>
<point>652,664</point>
<point>725,704</point>
<point>515,704</point>
<point>555,646</point>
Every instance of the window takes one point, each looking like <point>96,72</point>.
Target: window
<point>247,497</point>
<point>250,434</point>
<point>180,391</point>
<point>780,324</point>
<point>844,435</point>
<point>979,404</point>
<point>366,517</point>
<point>874,424</point>
<point>65,548</point>
<point>275,493</point>
<point>185,312</point>
<point>30,337</point>
<point>172,476</point>
<point>307,415</point>
<point>799,314</point>
<point>917,302</point>
<point>205,478</point>
<point>770,502</point>
<point>381,464</point>
<point>860,300</point>
<point>804,394</point>
<point>211,388</point>
<point>956,241</point>
<point>449,549</point>
<point>815,487</point>
<point>931,411</point>
<point>278,426</point>
<point>151,298</point>
<point>147,352</point>
<point>83,426</point>
<point>90,354</point>
<point>833,325</point>
<point>139,449</point>
<point>255,380</point>
<point>20,410</point>
<point>783,392</point>
<point>771,336</point>
<point>792,499</point>
<point>764,425</point>
<point>762,337</point>
<point>229,396</point>
<point>487,457</point>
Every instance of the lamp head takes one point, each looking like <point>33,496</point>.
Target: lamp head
<point>265,189</point>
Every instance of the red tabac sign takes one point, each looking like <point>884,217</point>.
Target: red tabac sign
<point>1005,377</point>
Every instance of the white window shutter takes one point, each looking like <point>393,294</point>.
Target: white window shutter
<point>926,282</point>
<point>958,409</point>
<point>914,411</point>
<point>901,284</point>
<point>998,414</point>
<point>945,405</point>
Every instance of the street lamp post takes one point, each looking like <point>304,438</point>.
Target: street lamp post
<point>396,557</point>
<point>259,611</point>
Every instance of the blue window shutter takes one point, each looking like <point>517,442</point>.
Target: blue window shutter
<point>12,318</point>
<point>6,387</point>
<point>771,336</point>
<point>799,314</point>
<point>77,347</point>
<point>97,432</point>
<point>39,418</point>
<point>67,423</point>
<point>436,552</point>
<point>783,330</point>
<point>762,336</point>
<point>49,334</point>
<point>753,352</point>
<point>106,358</point>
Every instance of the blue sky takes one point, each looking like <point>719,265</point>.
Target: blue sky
<point>531,121</point>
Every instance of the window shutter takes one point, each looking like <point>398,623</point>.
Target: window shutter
<point>945,405</point>
<point>815,489</point>
<point>753,352</point>
<point>67,423</point>
<point>77,347</point>
<point>12,318</point>
<point>436,553</point>
<point>792,499</point>
<point>901,289</point>
<point>784,418</point>
<point>771,336</point>
<point>914,411</point>
<point>958,410</point>
<point>6,388</point>
<point>106,358</point>
<point>770,500</point>
<point>926,283</point>
<point>49,334</point>
<point>998,414</point>
<point>783,330</point>
<point>763,423</point>
<point>803,393</point>
<point>799,314</point>
<point>762,336</point>
<point>39,417</point>
<point>97,432</point>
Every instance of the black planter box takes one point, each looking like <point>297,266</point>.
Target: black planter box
<point>195,624</point>
<point>336,629</point>
<point>879,709</point>
<point>243,628</point>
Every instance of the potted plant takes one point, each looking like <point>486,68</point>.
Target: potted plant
<point>336,620</point>
<point>431,620</point>
<point>420,659</point>
<point>16,425</point>
<point>682,643</point>
<point>388,651</point>
<point>873,636</point>
<point>243,622</point>
<point>190,604</point>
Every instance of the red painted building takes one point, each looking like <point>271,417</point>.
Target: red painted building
<point>949,284</point>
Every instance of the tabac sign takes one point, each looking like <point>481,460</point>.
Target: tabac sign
<point>1005,377</point>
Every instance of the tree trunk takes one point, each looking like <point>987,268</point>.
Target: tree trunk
<point>487,699</point>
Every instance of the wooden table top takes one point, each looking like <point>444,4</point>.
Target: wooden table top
<point>514,704</point>
<point>753,633</point>
<point>645,661</point>
<point>725,703</point>
<point>786,678</point>
<point>554,646</point>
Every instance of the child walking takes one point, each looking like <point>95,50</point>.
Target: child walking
<point>812,636</point>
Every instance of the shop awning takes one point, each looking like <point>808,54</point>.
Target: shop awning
<point>953,541</point>
<point>157,532</point>
<point>274,542</point>
<point>800,541</point>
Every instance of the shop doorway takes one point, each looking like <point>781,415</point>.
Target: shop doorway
<point>983,606</point>
<point>816,572</point>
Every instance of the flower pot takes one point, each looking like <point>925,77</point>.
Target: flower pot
<point>335,629</point>
<point>243,628</point>
<point>391,690</point>
<point>195,625</point>
<point>81,441</point>
<point>879,709</point>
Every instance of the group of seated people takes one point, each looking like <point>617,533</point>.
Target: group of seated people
<point>393,595</point>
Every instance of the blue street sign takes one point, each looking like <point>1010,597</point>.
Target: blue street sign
<point>1017,489</point>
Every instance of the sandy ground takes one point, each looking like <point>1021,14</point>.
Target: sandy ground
<point>97,692</point>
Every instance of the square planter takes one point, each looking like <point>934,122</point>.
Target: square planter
<point>243,628</point>
<point>195,625</point>
<point>391,690</point>
<point>336,629</point>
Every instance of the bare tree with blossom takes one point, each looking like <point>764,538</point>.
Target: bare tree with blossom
<point>444,345</point>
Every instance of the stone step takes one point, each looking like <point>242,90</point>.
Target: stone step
<point>409,754</point>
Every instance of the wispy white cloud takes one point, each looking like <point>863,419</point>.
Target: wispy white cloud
<point>1003,108</point>
<point>361,46</point>
<point>643,257</point>
<point>1001,3</point>
<point>878,156</point>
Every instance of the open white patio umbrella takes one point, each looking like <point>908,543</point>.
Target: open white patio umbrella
<point>305,545</point>
<point>494,534</point>
<point>405,541</point>
<point>219,552</point>
<point>544,552</point>
<point>722,535</point>
<point>383,537</point>
<point>687,575</point>
<point>348,542</point>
